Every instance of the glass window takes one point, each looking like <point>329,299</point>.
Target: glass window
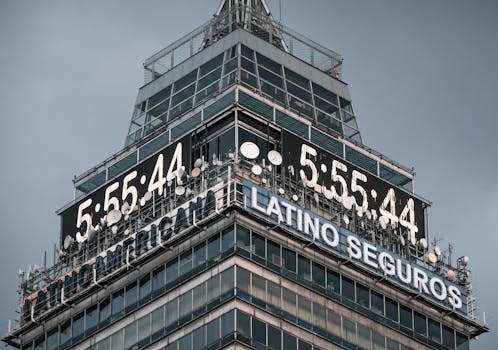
<point>52,339</point>
<point>227,238</point>
<point>247,52</point>
<point>270,77</point>
<point>131,295</point>
<point>117,340</point>
<point>273,293</point>
<point>65,334</point>
<point>258,243</point>
<point>78,326</point>
<point>289,259</point>
<point>319,316</point>
<point>333,281</point>
<point>213,246</point>
<point>243,238</point>
<point>349,330</point>
<point>160,96</point>
<point>158,279</point>
<point>243,324</point>
<point>274,335</point>
<point>448,337</point>
<point>185,342</point>
<point>462,342</point>
<point>319,274</point>
<point>213,288</point>
<point>379,341</point>
<point>92,319</point>
<point>199,338</point>
<point>273,253</point>
<point>420,323</point>
<point>304,305</point>
<point>289,341</point>
<point>258,287</point>
<point>185,304</point>
<point>227,280</point>
<point>259,331</point>
<point>377,302</point>
<point>210,65</point>
<point>348,288</point>
<point>391,344</point>
<point>269,64</point>
<point>434,330</point>
<point>199,297</point>
<point>362,295</point>
<point>200,255</point>
<point>186,80</point>
<point>144,327</point>
<point>289,301</point>
<point>105,344</point>
<point>297,79</point>
<point>130,337</point>
<point>392,310</point>
<point>213,331</point>
<point>334,322</point>
<point>364,337</point>
<point>227,323</point>
<point>303,267</point>
<point>171,314</point>
<point>144,290</point>
<point>171,270</point>
<point>40,343</point>
<point>157,320</point>
<point>325,94</point>
<point>304,345</point>
<point>243,280</point>
<point>405,317</point>
<point>185,263</point>
<point>273,92</point>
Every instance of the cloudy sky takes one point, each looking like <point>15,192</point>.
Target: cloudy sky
<point>423,75</point>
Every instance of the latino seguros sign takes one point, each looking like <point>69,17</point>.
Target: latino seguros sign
<point>344,243</point>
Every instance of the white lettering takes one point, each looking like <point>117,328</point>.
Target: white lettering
<point>399,269</point>
<point>369,255</point>
<point>386,262</point>
<point>335,235</point>
<point>440,293</point>
<point>354,249</point>
<point>289,209</point>
<point>311,226</point>
<point>274,208</point>
<point>454,297</point>
<point>420,280</point>
<point>254,201</point>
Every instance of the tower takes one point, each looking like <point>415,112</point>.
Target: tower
<point>245,212</point>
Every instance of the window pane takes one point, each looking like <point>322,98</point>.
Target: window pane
<point>258,243</point>
<point>185,263</point>
<point>213,246</point>
<point>243,238</point>
<point>243,324</point>
<point>213,288</point>
<point>185,342</point>
<point>273,293</point>
<point>243,280</point>
<point>199,338</point>
<point>200,255</point>
<point>117,340</point>
<point>144,327</point>
<point>157,320</point>
<point>65,332</point>
<point>91,319</point>
<point>185,304</point>
<point>171,271</point>
<point>303,267</point>
<point>144,290</point>
<point>158,279</point>
<point>377,302</point>
<point>227,323</point>
<point>392,310</point>
<point>171,312</point>
<point>131,295</point>
<point>348,288</point>
<point>333,281</point>
<point>304,305</point>
<point>289,301</point>
<point>78,325</point>
<point>434,330</point>
<point>274,338</point>
<point>130,337</point>
<point>378,341</point>
<point>273,253</point>
<point>52,340</point>
<point>304,345</point>
<point>420,323</point>
<point>227,280</point>
<point>405,317</point>
<point>349,330</point>
<point>259,331</point>
<point>213,331</point>
<point>289,259</point>
<point>362,295</point>
<point>289,342</point>
<point>364,337</point>
<point>462,342</point>
<point>259,287</point>
<point>391,344</point>
<point>199,296</point>
<point>319,274</point>
<point>334,322</point>
<point>227,238</point>
<point>319,316</point>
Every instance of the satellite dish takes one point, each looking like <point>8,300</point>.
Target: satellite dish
<point>113,217</point>
<point>383,222</point>
<point>432,258</point>
<point>148,196</point>
<point>126,217</point>
<point>249,150</point>
<point>437,250</point>
<point>198,163</point>
<point>114,229</point>
<point>180,172</point>
<point>465,260</point>
<point>451,275</point>
<point>295,198</point>
<point>281,191</point>
<point>127,232</point>
<point>180,190</point>
<point>68,241</point>
<point>323,167</point>
<point>423,243</point>
<point>263,180</point>
<point>195,172</point>
<point>257,170</point>
<point>275,158</point>
<point>345,218</point>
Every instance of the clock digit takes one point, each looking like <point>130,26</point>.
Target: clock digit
<point>338,178</point>
<point>157,180</point>
<point>176,163</point>
<point>305,161</point>
<point>86,218</point>
<point>357,176</point>
<point>409,211</point>
<point>130,190</point>
<point>111,201</point>
<point>390,201</point>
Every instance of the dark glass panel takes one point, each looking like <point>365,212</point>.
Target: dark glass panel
<point>348,288</point>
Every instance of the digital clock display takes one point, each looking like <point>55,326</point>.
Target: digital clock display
<point>368,195</point>
<point>133,187</point>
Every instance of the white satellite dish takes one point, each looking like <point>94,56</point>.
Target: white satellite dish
<point>127,232</point>
<point>437,250</point>
<point>148,196</point>
<point>195,172</point>
<point>113,217</point>
<point>257,170</point>
<point>295,198</point>
<point>180,190</point>
<point>180,172</point>
<point>68,241</point>
<point>383,222</point>
<point>281,191</point>
<point>465,260</point>
<point>345,218</point>
<point>114,229</point>
<point>249,150</point>
<point>198,163</point>
<point>275,157</point>
<point>451,275</point>
<point>126,217</point>
<point>432,258</point>
<point>423,243</point>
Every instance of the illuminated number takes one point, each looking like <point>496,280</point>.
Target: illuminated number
<point>389,201</point>
<point>409,211</point>
<point>157,180</point>
<point>338,178</point>
<point>86,218</point>
<point>130,190</point>
<point>111,201</point>
<point>305,161</point>
<point>357,188</point>
<point>176,163</point>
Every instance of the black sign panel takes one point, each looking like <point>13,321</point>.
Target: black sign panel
<point>136,185</point>
<point>351,186</point>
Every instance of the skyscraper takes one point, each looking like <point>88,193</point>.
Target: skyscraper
<point>245,212</point>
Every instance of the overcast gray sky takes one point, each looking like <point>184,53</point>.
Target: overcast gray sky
<point>423,75</point>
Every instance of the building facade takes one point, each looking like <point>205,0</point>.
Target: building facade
<point>244,212</point>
